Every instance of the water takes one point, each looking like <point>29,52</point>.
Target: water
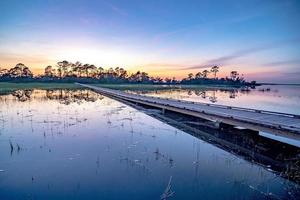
<point>279,98</point>
<point>81,145</point>
<point>276,98</point>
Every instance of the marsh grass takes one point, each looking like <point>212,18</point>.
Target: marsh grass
<point>161,87</point>
<point>6,87</point>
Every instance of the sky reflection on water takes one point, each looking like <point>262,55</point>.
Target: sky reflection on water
<point>81,145</point>
<point>280,98</point>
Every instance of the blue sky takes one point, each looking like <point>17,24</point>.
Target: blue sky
<point>261,39</point>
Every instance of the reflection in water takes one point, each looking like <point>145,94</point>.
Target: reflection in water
<point>22,95</point>
<point>274,155</point>
<point>232,94</point>
<point>63,96</point>
<point>209,94</point>
<point>80,145</point>
<point>273,98</point>
<point>72,96</point>
<point>213,97</point>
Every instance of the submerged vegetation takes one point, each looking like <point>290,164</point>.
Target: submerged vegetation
<point>68,72</point>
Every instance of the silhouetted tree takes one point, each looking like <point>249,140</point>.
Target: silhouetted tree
<point>190,76</point>
<point>71,72</point>
<point>215,70</point>
<point>174,80</point>
<point>123,73</point>
<point>77,68</point>
<point>198,75</point>
<point>49,71</point>
<point>234,75</point>
<point>3,72</point>
<point>205,73</point>
<point>62,68</point>
<point>168,80</point>
<point>100,71</point>
<point>157,79</point>
<point>20,70</point>
<point>92,69</point>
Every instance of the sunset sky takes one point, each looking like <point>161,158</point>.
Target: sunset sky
<point>260,39</point>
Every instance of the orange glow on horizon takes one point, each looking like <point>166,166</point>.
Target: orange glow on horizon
<point>161,69</point>
<point>164,72</point>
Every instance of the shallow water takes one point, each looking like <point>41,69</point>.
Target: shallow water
<point>81,145</point>
<point>276,98</point>
<point>279,98</point>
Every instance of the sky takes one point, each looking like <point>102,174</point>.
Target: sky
<point>259,39</point>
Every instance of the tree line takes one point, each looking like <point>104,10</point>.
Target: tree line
<point>65,71</point>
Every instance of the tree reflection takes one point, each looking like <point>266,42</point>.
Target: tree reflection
<point>22,95</point>
<point>232,94</point>
<point>73,96</point>
<point>63,96</point>
<point>276,156</point>
<point>213,97</point>
<point>200,93</point>
<point>67,96</point>
<point>213,94</point>
<point>203,94</point>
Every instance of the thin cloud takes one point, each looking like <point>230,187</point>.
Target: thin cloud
<point>242,53</point>
<point>117,9</point>
<point>162,65</point>
<point>204,25</point>
<point>282,63</point>
<point>160,36</point>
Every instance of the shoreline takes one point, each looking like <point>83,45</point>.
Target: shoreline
<point>12,86</point>
<point>290,84</point>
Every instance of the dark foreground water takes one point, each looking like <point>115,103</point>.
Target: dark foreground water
<point>81,145</point>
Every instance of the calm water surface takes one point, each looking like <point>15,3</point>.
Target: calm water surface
<point>80,145</point>
<point>279,98</point>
